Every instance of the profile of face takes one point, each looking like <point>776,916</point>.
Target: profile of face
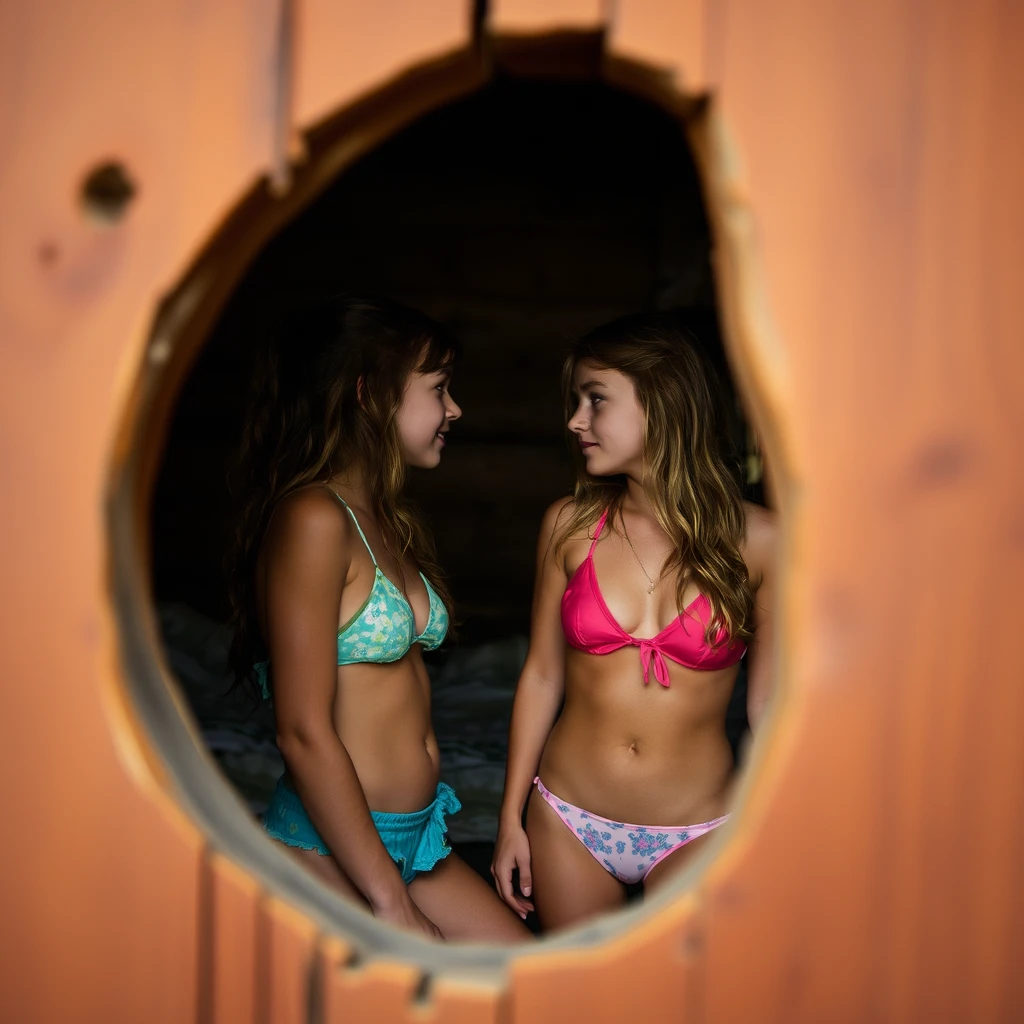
<point>424,416</point>
<point>608,421</point>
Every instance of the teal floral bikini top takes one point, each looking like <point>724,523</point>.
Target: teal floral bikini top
<point>383,629</point>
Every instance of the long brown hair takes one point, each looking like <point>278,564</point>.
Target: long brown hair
<point>309,419</point>
<point>687,476</point>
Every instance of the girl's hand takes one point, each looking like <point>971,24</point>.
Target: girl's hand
<point>404,914</point>
<point>511,851</point>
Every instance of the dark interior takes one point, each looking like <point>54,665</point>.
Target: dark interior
<point>518,218</point>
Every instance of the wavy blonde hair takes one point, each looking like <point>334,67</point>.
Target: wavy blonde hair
<point>308,420</point>
<point>694,492</point>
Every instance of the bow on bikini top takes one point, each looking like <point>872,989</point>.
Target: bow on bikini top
<point>384,627</point>
<point>590,627</point>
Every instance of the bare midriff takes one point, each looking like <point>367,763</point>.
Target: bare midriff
<point>382,716</point>
<point>641,753</point>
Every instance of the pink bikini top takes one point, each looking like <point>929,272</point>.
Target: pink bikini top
<point>589,626</point>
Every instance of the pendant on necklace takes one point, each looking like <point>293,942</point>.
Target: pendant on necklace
<point>650,589</point>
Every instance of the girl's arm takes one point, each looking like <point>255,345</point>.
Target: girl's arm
<point>761,558</point>
<point>538,698</point>
<point>307,562</point>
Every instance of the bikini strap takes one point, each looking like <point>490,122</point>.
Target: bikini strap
<point>354,520</point>
<point>597,532</point>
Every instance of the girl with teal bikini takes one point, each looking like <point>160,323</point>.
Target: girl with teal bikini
<point>336,591</point>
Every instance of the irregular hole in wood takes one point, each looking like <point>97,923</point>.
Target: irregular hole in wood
<point>107,192</point>
<point>422,993</point>
<point>354,961</point>
<point>220,271</point>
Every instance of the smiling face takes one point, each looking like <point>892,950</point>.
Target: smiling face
<point>424,416</point>
<point>608,421</point>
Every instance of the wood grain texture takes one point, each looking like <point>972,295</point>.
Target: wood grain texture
<point>535,17</point>
<point>883,210</point>
<point>379,990</point>
<point>863,166</point>
<point>649,969</point>
<point>672,36</point>
<point>394,993</point>
<point>106,903</point>
<point>465,1001</point>
<point>236,947</point>
<point>290,950</point>
<point>347,49</point>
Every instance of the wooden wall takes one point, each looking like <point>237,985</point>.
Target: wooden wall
<point>863,165</point>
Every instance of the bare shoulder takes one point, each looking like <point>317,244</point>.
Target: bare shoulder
<point>761,540</point>
<point>565,550</point>
<point>310,519</point>
<point>556,516</point>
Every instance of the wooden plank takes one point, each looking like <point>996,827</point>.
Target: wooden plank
<point>202,83</point>
<point>107,906</point>
<point>458,1000</point>
<point>653,968</point>
<point>234,950</point>
<point>879,201</point>
<point>288,962</point>
<point>344,50</point>
<point>380,990</point>
<point>388,993</point>
<point>874,872</point>
<point>538,17</point>
<point>669,36</point>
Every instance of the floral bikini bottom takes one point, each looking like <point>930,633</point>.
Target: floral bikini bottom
<point>627,851</point>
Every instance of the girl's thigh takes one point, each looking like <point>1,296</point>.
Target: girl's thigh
<point>463,905</point>
<point>569,885</point>
<point>329,871</point>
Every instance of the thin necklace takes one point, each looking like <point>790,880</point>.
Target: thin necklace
<point>625,533</point>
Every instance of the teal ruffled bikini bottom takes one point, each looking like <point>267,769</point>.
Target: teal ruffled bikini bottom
<point>416,841</point>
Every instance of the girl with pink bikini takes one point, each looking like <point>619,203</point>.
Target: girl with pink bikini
<point>653,581</point>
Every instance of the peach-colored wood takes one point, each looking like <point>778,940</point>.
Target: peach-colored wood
<point>650,967</point>
<point>862,165</point>
<point>672,36</point>
<point>290,949</point>
<point>464,1001</point>
<point>537,16</point>
<point>379,991</point>
<point>152,85</point>
<point>888,211</point>
<point>388,993</point>
<point>344,49</point>
<point>103,877</point>
<point>237,972</point>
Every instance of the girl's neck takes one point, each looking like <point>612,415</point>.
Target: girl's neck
<point>350,481</point>
<point>635,500</point>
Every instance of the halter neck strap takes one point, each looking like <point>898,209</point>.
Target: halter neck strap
<point>354,520</point>
<point>597,531</point>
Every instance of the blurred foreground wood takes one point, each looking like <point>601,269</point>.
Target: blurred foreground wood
<point>863,166</point>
